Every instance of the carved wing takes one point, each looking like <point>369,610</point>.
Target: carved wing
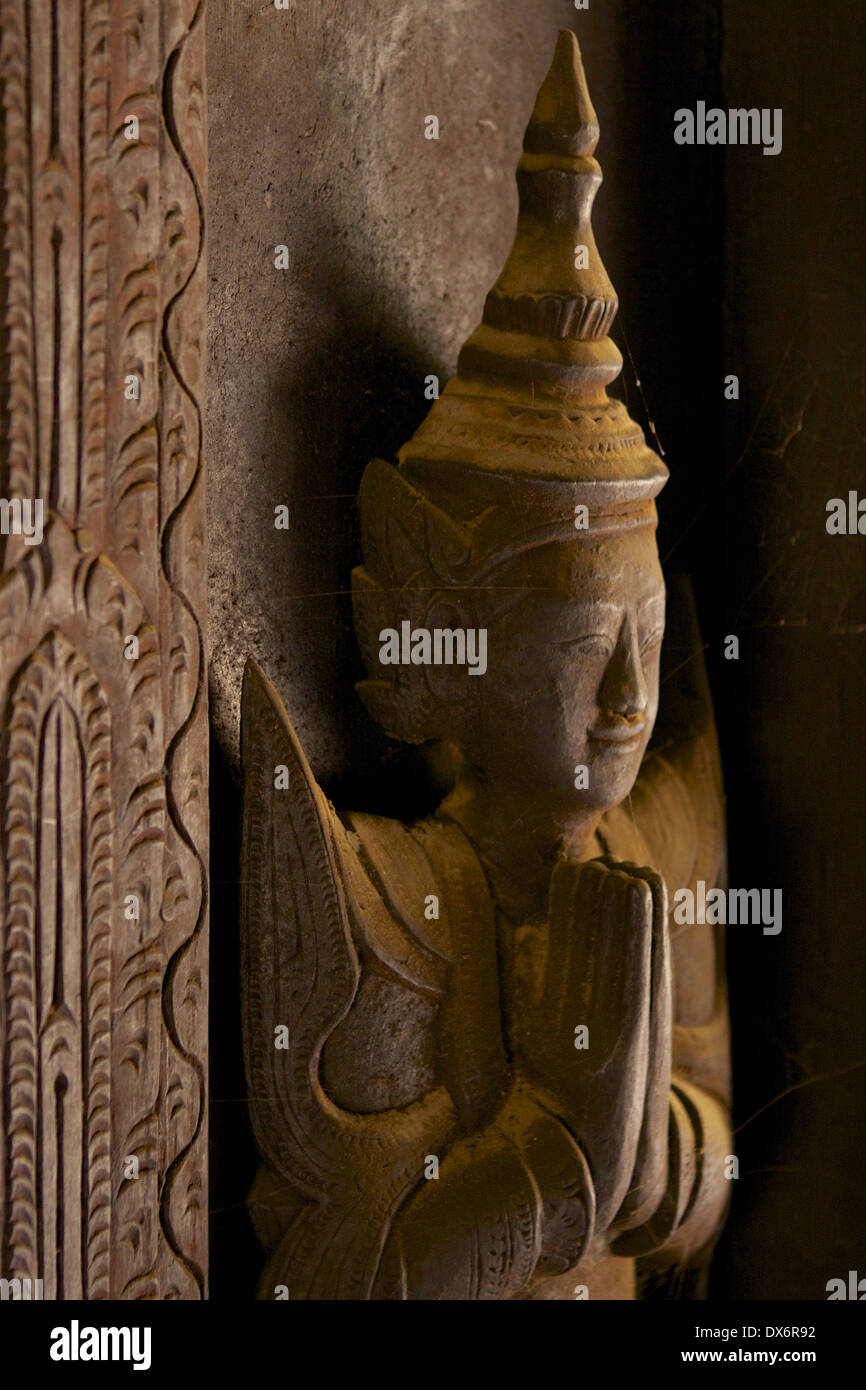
<point>300,974</point>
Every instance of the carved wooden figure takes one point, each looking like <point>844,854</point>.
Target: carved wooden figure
<point>482,1063</point>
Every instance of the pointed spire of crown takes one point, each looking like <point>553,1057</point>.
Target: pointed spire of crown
<point>528,401</point>
<point>563,121</point>
<point>547,317</point>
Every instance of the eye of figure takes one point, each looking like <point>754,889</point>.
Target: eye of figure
<point>652,639</point>
<point>594,643</point>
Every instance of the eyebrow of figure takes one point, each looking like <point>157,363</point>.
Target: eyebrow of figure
<point>582,611</point>
<point>591,610</point>
<point>591,617</point>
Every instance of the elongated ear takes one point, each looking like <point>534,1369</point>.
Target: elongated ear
<point>415,704</point>
<point>393,695</point>
<point>448,684</point>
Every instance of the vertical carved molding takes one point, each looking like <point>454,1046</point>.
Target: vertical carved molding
<point>103,772</point>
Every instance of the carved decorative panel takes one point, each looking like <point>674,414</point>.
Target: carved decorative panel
<point>103,778</point>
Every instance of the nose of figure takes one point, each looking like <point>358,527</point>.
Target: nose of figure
<point>623,697</point>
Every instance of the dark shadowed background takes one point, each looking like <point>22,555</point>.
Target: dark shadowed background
<point>726,261</point>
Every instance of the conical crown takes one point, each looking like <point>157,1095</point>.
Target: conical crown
<point>528,403</point>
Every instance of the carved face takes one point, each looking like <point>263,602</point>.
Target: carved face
<point>572,676</point>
